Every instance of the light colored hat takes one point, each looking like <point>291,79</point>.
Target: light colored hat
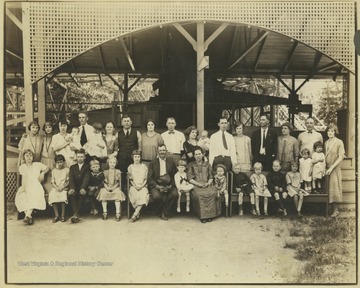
<point>94,162</point>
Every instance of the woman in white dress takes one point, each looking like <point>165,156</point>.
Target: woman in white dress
<point>30,194</point>
<point>138,192</point>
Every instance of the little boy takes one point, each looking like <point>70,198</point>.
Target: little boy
<point>277,185</point>
<point>182,184</point>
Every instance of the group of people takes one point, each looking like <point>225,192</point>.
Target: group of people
<point>96,163</point>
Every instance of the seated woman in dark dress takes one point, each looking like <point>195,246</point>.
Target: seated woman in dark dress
<point>206,204</point>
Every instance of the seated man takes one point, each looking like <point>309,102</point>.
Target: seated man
<point>79,179</point>
<point>161,182</point>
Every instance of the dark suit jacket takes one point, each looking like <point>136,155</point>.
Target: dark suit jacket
<point>79,179</point>
<point>270,144</point>
<point>154,172</point>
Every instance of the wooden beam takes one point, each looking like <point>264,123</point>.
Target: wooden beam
<point>14,54</point>
<point>252,44</point>
<point>259,54</point>
<point>200,77</point>
<point>73,79</point>
<point>10,98</point>
<point>15,121</point>
<point>14,19</point>
<point>283,83</point>
<point>186,35</point>
<point>12,149</point>
<point>102,58</point>
<point>317,59</point>
<point>214,35</point>
<point>41,101</point>
<point>63,100</point>
<point>115,82</point>
<point>327,66</point>
<point>101,82</point>
<point>127,53</point>
<point>135,82</point>
<point>289,57</point>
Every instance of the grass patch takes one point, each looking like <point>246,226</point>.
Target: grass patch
<point>328,246</point>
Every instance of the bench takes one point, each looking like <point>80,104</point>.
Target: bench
<point>312,198</point>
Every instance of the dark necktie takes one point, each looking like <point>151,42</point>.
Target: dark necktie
<point>224,140</point>
<point>127,133</point>
<point>263,142</point>
<point>83,138</point>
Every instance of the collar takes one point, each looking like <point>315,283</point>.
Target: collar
<point>125,130</point>
<point>171,132</point>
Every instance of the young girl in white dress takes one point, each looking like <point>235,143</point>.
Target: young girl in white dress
<point>260,187</point>
<point>111,190</point>
<point>182,184</point>
<point>305,169</point>
<point>138,191</point>
<point>75,144</point>
<point>60,183</point>
<point>318,167</point>
<point>293,180</point>
<point>30,194</point>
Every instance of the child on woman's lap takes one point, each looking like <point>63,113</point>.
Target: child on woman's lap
<point>182,185</point>
<point>220,184</point>
<point>260,187</point>
<point>277,185</point>
<point>243,186</point>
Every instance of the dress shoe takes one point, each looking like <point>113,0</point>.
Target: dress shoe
<point>62,219</point>
<point>203,220</point>
<point>163,217</point>
<point>31,220</point>
<point>118,216</point>
<point>75,219</point>
<point>56,219</point>
<point>26,220</point>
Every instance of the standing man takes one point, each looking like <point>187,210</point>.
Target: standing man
<point>86,132</point>
<point>173,140</point>
<point>161,182</point>
<point>264,144</point>
<point>307,138</point>
<point>222,147</point>
<point>79,179</point>
<point>129,140</point>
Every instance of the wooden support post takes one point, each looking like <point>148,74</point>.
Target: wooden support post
<point>41,86</point>
<point>29,104</point>
<point>126,92</point>
<point>200,49</point>
<point>351,117</point>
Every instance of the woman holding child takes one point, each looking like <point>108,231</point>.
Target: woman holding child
<point>204,198</point>
<point>190,144</point>
<point>61,144</point>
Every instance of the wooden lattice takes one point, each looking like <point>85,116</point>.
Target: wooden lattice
<point>11,185</point>
<point>59,31</point>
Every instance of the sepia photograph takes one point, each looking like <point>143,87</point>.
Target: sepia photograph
<point>180,143</point>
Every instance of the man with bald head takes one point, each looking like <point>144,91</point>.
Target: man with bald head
<point>307,138</point>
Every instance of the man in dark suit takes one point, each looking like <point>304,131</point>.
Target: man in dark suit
<point>79,178</point>
<point>161,182</point>
<point>264,144</point>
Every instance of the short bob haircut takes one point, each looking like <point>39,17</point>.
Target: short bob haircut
<point>27,151</point>
<point>181,162</point>
<point>189,130</point>
<point>289,125</point>
<point>33,123</point>
<point>334,127</point>
<point>200,149</point>
<point>48,123</point>
<point>59,157</point>
<point>318,144</point>
<point>150,120</point>
<point>258,165</point>
<point>135,152</point>
<point>80,151</point>
<point>222,166</point>
<point>111,157</point>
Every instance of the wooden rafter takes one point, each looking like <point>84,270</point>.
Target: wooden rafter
<point>102,58</point>
<point>127,53</point>
<point>215,34</point>
<point>317,59</point>
<point>259,54</point>
<point>116,83</point>
<point>74,79</point>
<point>163,48</point>
<point>100,79</point>
<point>252,44</point>
<point>63,100</point>
<point>283,83</point>
<point>289,57</point>
<point>14,54</point>
<point>327,66</point>
<point>10,98</point>
<point>135,82</point>
<point>186,34</point>
<point>14,19</point>
<point>15,121</point>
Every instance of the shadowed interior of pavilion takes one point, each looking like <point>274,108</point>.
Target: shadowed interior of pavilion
<point>165,53</point>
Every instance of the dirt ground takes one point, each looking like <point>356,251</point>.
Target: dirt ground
<point>182,250</point>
